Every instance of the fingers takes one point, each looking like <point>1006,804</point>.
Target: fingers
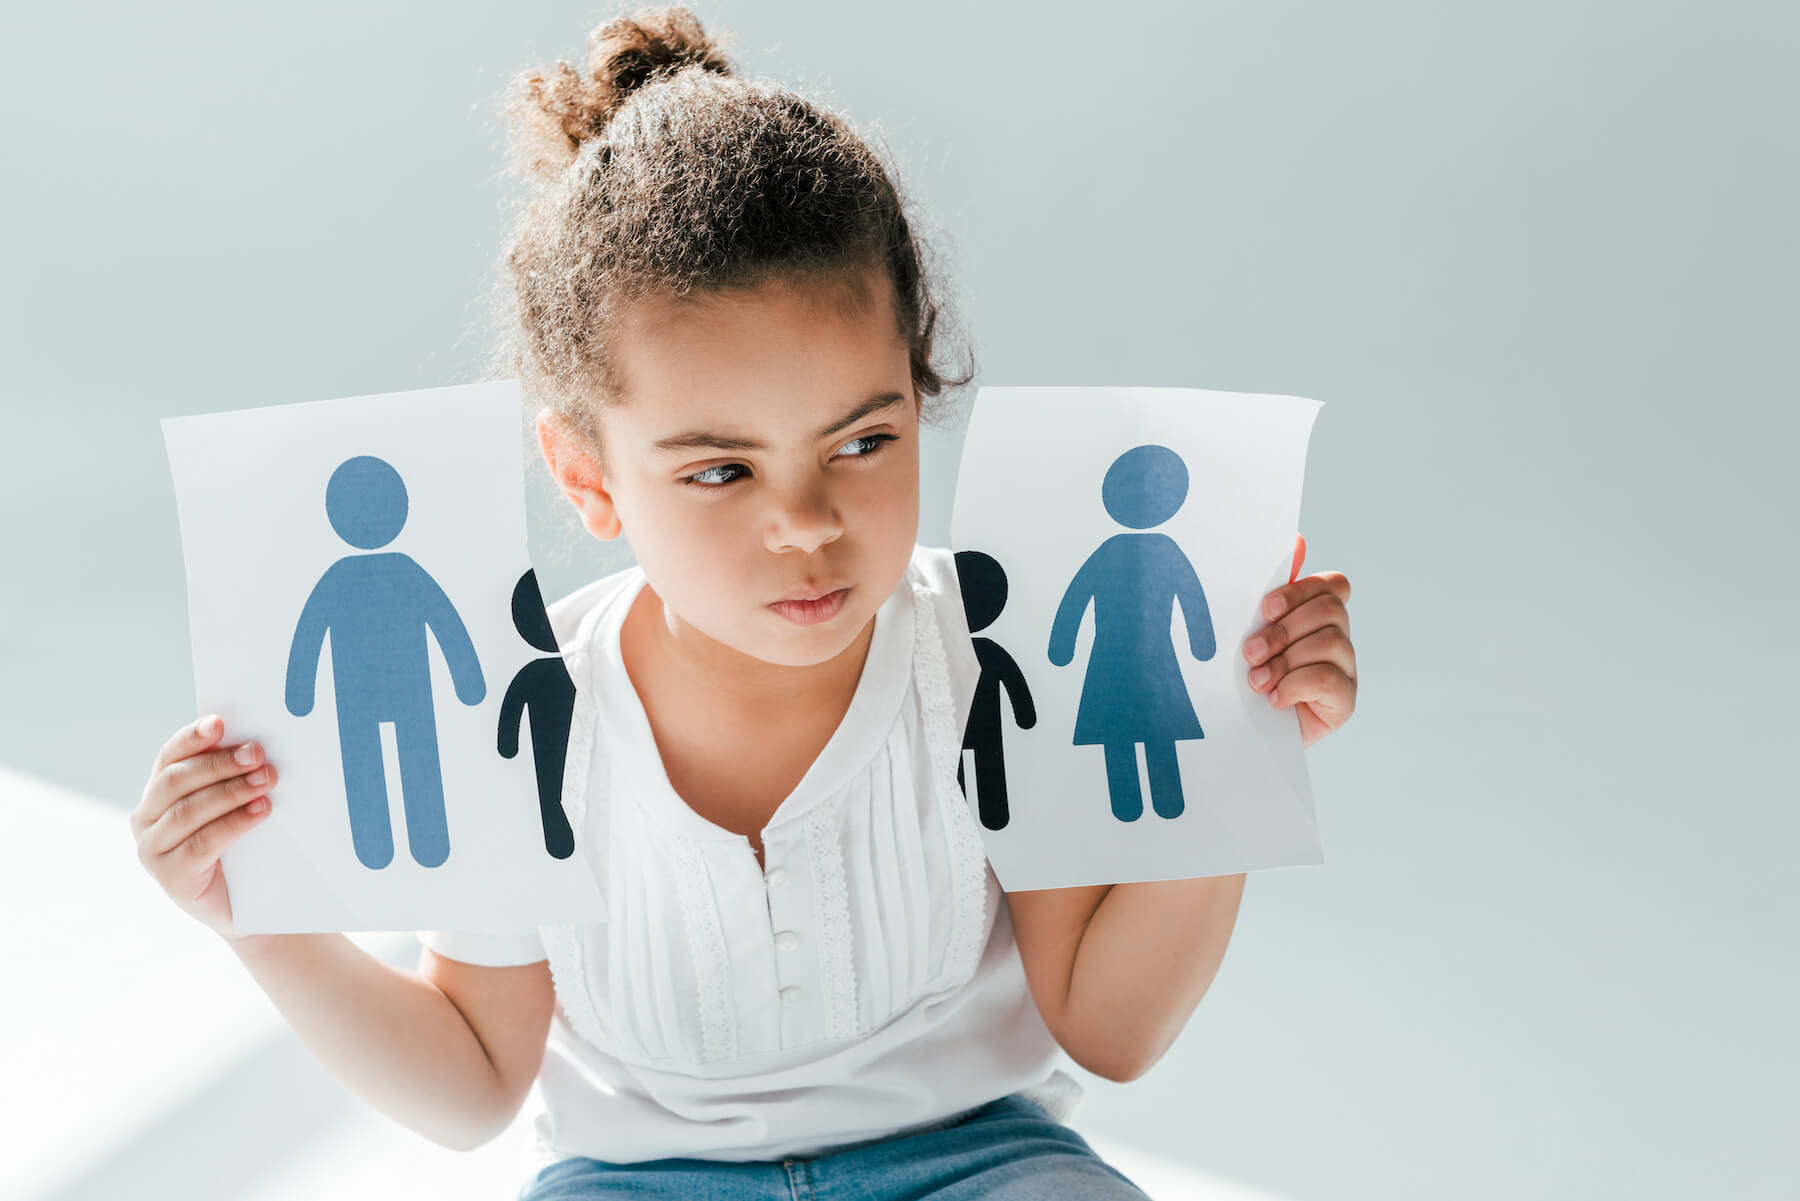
<point>188,740</point>
<point>196,854</point>
<point>195,809</point>
<point>1307,654</point>
<point>1329,647</point>
<point>1322,686</point>
<point>1292,596</point>
<point>1325,611</point>
<point>1304,656</point>
<point>186,782</point>
<point>184,744</point>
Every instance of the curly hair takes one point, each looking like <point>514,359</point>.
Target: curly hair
<point>661,173</point>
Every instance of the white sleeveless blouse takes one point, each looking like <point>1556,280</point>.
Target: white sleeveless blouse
<point>866,984</point>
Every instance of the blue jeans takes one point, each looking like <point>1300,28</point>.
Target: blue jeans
<point>1008,1150</point>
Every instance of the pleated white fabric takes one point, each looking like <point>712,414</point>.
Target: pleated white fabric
<point>866,983</point>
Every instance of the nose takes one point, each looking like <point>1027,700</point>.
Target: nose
<point>804,519</point>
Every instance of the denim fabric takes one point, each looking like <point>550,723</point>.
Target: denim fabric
<point>1007,1150</point>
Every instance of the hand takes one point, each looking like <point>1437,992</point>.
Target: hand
<point>199,800</point>
<point>1304,657</point>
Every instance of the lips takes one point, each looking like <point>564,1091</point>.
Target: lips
<point>812,611</point>
<point>811,594</point>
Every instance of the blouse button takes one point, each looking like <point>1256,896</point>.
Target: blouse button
<point>790,996</point>
<point>787,940</point>
<point>778,878</point>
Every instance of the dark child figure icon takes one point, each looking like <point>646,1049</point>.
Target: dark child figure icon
<point>1133,691</point>
<point>378,609</point>
<point>983,585</point>
<point>544,690</point>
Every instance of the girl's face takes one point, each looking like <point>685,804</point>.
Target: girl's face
<point>767,449</point>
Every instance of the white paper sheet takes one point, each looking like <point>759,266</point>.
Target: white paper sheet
<point>1207,493</point>
<point>425,531</point>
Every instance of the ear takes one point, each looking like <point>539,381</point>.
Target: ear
<point>578,474</point>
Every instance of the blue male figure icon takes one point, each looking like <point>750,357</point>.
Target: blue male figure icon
<point>377,609</point>
<point>1133,691</point>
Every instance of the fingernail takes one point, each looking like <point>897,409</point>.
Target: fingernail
<point>1275,606</point>
<point>246,754</point>
<point>1258,675</point>
<point>1255,647</point>
<point>206,727</point>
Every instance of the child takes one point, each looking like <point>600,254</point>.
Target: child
<point>808,977</point>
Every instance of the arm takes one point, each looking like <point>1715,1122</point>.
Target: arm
<point>396,1039</point>
<point>1116,970</point>
<point>1193,606</point>
<point>452,638</point>
<point>512,713</point>
<point>1070,612</point>
<point>309,640</point>
<point>1012,680</point>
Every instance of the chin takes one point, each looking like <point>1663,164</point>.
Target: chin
<point>808,646</point>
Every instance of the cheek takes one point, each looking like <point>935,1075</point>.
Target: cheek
<point>701,541</point>
<point>887,501</point>
<point>713,556</point>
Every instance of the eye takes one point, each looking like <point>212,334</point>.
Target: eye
<point>871,442</point>
<point>700,478</point>
<point>716,478</point>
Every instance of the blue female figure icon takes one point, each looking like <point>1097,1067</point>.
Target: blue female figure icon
<point>378,610</point>
<point>1133,691</point>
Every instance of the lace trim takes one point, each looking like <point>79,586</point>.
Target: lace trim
<point>706,946</point>
<point>967,852</point>
<point>562,946</point>
<point>831,913</point>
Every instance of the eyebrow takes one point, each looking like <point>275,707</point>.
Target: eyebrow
<point>706,440</point>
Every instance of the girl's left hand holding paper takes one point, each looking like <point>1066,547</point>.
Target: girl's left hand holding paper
<point>1304,656</point>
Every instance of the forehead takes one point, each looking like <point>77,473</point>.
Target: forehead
<point>788,346</point>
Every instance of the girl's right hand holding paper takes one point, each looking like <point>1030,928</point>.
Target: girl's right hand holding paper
<point>200,799</point>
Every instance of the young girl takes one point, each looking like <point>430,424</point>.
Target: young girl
<point>808,981</point>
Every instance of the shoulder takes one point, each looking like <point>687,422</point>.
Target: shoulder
<point>932,573</point>
<point>570,611</point>
<point>934,567</point>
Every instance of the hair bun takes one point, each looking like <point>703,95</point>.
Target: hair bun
<point>627,52</point>
<point>559,109</point>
